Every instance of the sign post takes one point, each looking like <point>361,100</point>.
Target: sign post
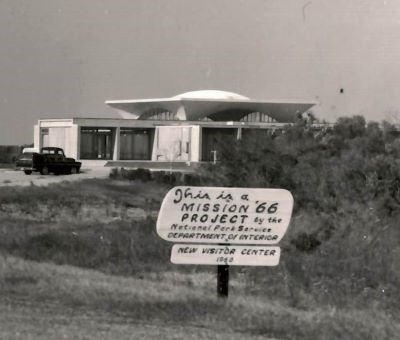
<point>222,281</point>
<point>225,227</point>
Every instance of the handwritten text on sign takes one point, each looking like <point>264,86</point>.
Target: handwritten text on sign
<point>225,255</point>
<point>225,215</point>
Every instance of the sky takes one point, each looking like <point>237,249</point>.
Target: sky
<point>64,58</point>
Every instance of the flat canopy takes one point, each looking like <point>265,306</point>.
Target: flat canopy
<point>228,108</point>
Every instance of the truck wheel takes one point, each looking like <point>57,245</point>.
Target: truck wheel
<point>45,170</point>
<point>28,172</point>
<point>74,170</point>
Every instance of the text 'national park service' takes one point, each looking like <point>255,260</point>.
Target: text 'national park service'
<point>225,215</point>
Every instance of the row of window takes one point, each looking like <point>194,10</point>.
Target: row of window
<point>98,143</point>
<point>135,143</point>
<point>254,117</point>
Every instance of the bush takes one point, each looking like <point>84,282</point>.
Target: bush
<point>163,177</point>
<point>140,174</point>
<point>346,187</point>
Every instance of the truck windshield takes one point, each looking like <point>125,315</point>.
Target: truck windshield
<point>51,152</point>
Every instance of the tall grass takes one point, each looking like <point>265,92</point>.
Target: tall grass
<point>187,299</point>
<point>93,224</point>
<point>110,226</point>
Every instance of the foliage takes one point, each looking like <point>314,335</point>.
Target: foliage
<point>140,174</point>
<point>346,185</point>
<point>162,177</point>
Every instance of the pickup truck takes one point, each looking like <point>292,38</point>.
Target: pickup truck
<point>49,159</point>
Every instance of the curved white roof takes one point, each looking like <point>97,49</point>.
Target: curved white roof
<point>214,104</point>
<point>210,94</point>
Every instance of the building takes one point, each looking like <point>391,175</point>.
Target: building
<point>150,132</point>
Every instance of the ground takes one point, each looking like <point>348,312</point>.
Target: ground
<point>10,177</point>
<point>89,265</point>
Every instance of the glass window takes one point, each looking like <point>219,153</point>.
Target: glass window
<point>97,143</point>
<point>136,144</point>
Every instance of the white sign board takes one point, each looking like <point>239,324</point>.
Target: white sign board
<point>225,255</point>
<point>225,215</point>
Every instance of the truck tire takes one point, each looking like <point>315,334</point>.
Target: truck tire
<point>44,171</point>
<point>28,172</point>
<point>74,170</point>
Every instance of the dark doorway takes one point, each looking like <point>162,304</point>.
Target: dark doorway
<point>213,140</point>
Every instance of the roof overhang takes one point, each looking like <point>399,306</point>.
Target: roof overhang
<point>193,109</point>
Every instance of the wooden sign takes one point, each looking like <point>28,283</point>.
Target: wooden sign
<point>225,215</point>
<point>225,255</point>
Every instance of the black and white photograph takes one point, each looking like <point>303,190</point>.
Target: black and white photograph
<point>200,169</point>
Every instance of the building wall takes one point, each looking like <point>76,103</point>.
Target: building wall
<point>74,141</point>
<point>195,144</point>
<point>178,141</point>
<point>172,144</point>
<point>36,136</point>
<point>62,137</point>
<point>58,137</point>
<point>60,133</point>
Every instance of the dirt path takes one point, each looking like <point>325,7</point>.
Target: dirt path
<point>11,177</point>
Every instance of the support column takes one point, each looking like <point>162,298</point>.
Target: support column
<point>181,113</point>
<point>117,147</point>
<point>74,142</point>
<point>239,133</point>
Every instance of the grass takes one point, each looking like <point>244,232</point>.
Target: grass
<point>88,251</point>
<point>93,223</point>
<point>182,300</point>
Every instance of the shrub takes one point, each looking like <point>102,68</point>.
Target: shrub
<point>346,187</point>
<point>140,174</point>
